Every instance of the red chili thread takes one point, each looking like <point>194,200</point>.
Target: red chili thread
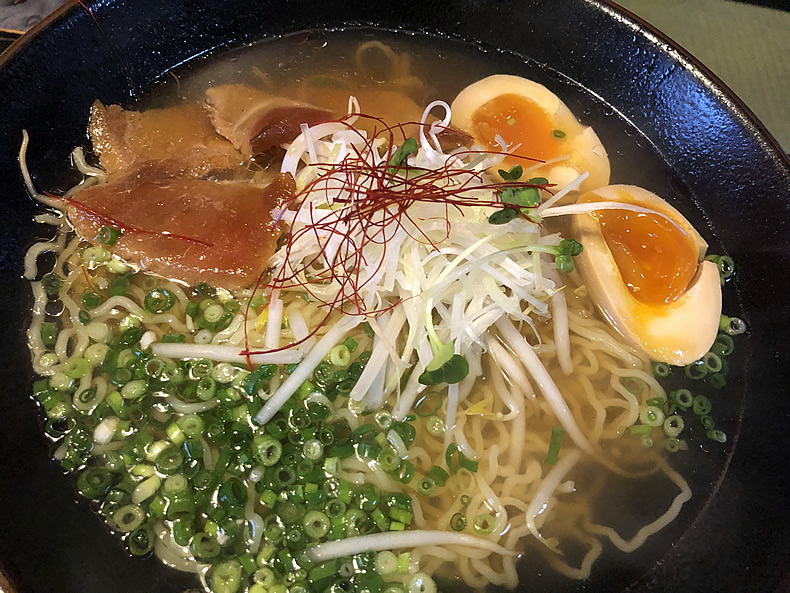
<point>379,206</point>
<point>106,39</point>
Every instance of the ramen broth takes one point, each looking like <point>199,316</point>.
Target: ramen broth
<point>401,76</point>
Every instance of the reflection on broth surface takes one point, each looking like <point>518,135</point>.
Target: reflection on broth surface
<point>320,333</point>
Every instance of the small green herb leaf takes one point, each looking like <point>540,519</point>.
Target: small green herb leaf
<point>565,252</point>
<point>452,371</point>
<point>525,197</point>
<point>503,216</point>
<point>570,247</point>
<point>445,367</point>
<point>513,175</point>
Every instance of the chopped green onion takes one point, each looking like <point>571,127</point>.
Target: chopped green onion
<point>388,459</point>
<point>316,524</point>
<point>696,370</point>
<point>458,522</point>
<point>91,300</point>
<point>453,457</point>
<point>51,283</point>
<point>554,445</point>
<point>404,473</point>
<point>652,416</point>
<point>726,266</point>
<point>701,405</point>
<point>732,325</point>
<point>422,583</point>
<point>383,419</point>
<point>49,333</point>
<point>146,489</point>
<point>141,541</point>
<point>119,286</point>
<point>723,346</point>
<point>717,380</point>
<point>169,461</point>
<point>673,425</point>
<point>313,450</point>
<point>204,546</point>
<point>94,482</point>
<point>717,435</point>
<point>435,426</point>
<point>76,367</point>
<point>386,563</point>
<point>192,426</point>
<point>426,486</point>
<point>159,300</point>
<point>400,156</point>
<point>232,493</point>
<point>226,577</point>
<point>683,398</point>
<point>438,475</point>
<point>712,362</point>
<point>661,369</point>
<point>484,524</point>
<point>108,235</point>
<point>340,356</point>
<point>672,445</point>
<point>637,430</point>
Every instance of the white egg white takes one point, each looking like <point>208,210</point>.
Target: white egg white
<point>582,149</point>
<point>679,332</point>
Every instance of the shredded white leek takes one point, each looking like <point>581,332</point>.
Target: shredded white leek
<point>401,539</point>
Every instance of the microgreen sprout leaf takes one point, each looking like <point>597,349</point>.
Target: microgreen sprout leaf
<point>445,367</point>
<point>503,216</point>
<point>442,353</point>
<point>570,247</point>
<point>452,371</point>
<point>513,175</point>
<point>525,197</point>
<point>564,254</point>
<point>518,199</point>
<point>404,151</point>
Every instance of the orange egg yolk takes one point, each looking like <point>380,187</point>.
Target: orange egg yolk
<point>519,121</point>
<point>656,259</point>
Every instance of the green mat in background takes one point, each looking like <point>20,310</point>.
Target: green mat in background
<point>746,46</point>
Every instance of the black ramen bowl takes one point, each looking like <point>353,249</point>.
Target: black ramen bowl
<point>645,97</point>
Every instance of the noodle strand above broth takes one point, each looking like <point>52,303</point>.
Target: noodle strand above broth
<point>355,357</point>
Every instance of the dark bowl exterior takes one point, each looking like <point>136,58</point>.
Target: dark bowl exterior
<point>728,164</point>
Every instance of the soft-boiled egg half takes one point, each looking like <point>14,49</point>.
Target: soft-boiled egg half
<point>537,128</point>
<point>646,273</point>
